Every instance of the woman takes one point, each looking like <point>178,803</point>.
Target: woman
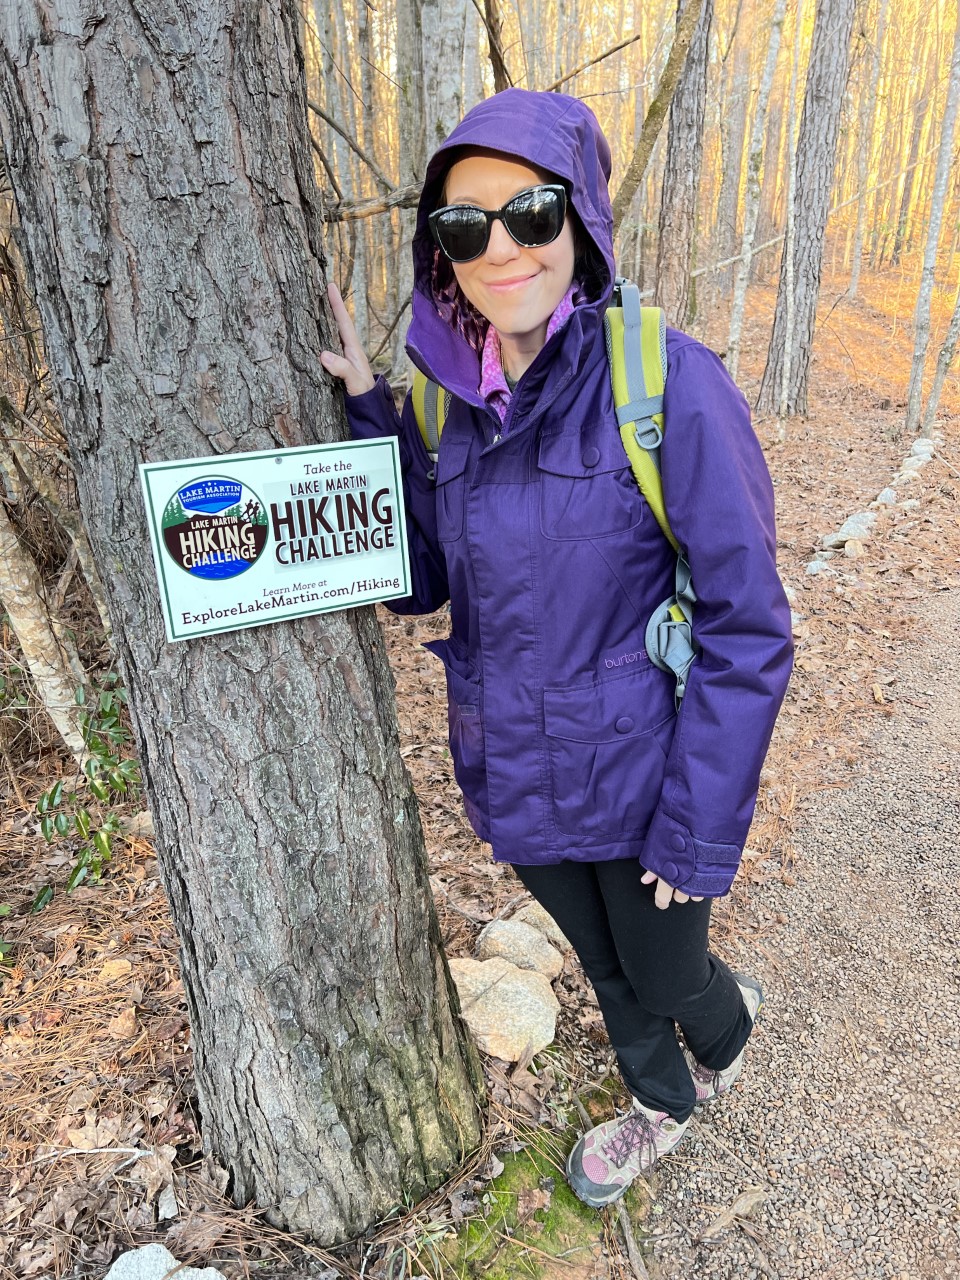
<point>621,816</point>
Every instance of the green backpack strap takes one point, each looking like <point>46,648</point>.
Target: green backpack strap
<point>430,405</point>
<point>637,351</point>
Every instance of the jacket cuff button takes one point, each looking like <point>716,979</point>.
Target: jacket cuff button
<point>677,842</point>
<point>624,724</point>
<point>591,456</point>
<point>671,873</point>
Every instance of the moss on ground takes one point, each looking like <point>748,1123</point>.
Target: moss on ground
<point>531,1224</point>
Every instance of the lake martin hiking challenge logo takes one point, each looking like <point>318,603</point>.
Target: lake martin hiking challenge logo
<point>214,527</point>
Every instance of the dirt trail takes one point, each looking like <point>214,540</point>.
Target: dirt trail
<point>848,1116</point>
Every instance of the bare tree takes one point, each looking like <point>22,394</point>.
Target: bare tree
<point>865,133</point>
<point>676,243</point>
<point>816,157</point>
<point>752,205</point>
<point>162,168</point>
<point>921,316</point>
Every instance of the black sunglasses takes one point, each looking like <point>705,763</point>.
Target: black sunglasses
<point>533,218</point>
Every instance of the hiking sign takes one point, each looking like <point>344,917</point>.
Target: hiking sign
<point>248,538</point>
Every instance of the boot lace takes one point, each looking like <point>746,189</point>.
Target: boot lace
<point>636,1133</point>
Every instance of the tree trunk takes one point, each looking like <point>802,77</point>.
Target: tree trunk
<point>676,244</point>
<point>816,157</point>
<point>52,659</point>
<point>921,315</point>
<point>867,129</point>
<point>944,361</point>
<point>657,111</point>
<point>752,204</point>
<point>733,125</point>
<point>161,163</point>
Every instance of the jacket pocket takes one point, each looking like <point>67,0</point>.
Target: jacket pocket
<point>451,473</point>
<point>464,724</point>
<point>608,744</point>
<point>586,490</point>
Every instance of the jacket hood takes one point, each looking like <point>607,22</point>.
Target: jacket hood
<point>551,131</point>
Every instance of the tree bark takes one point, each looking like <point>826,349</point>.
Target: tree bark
<point>676,242</point>
<point>657,111</point>
<point>752,203</point>
<point>161,163</point>
<point>921,315</point>
<point>816,158</point>
<point>866,131</point>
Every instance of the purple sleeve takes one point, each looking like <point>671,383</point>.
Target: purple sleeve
<point>374,414</point>
<point>720,499</point>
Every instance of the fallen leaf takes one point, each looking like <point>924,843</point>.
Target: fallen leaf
<point>530,1201</point>
<point>115,969</point>
<point>744,1205</point>
<point>878,694</point>
<point>124,1025</point>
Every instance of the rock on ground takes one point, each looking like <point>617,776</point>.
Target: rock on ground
<point>540,919</point>
<point>508,1010</point>
<point>522,945</point>
<point>154,1262</point>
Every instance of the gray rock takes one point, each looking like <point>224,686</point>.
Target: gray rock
<point>824,555</point>
<point>923,449</point>
<point>886,497</point>
<point>854,549</point>
<point>818,566</point>
<point>910,504</point>
<point>857,526</point>
<point>913,463</point>
<point>154,1262</point>
<point>522,945</point>
<point>508,1010</point>
<point>540,919</point>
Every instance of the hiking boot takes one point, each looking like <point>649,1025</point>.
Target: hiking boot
<point>608,1158</point>
<point>711,1084</point>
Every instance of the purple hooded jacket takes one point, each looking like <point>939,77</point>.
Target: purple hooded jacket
<point>564,737</point>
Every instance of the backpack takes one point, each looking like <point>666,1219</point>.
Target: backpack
<point>637,353</point>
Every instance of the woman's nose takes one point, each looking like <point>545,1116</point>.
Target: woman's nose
<point>501,246</point>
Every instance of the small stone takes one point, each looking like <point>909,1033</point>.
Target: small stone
<point>154,1262</point>
<point>854,549</point>
<point>508,1010</point>
<point>912,464</point>
<point>824,555</point>
<point>886,497</point>
<point>522,945</point>
<point>539,918</point>
<point>856,526</point>
<point>815,567</point>
<point>910,504</point>
<point>923,449</point>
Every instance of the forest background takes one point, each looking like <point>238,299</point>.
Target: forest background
<point>708,219</point>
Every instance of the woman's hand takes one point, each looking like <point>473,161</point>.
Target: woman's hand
<point>353,366</point>
<point>665,892</point>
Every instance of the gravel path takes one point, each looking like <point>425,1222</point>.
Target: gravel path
<point>848,1116</point>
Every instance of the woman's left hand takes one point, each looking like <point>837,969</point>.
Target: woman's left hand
<point>666,893</point>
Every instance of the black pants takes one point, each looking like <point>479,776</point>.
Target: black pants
<point>651,971</point>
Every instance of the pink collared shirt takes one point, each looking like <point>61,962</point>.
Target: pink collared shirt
<point>493,384</point>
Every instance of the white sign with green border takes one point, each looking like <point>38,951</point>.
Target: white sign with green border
<point>248,538</point>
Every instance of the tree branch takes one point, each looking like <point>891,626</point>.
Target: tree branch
<point>552,88</point>
<point>490,17</point>
<point>657,112</point>
<point>372,165</point>
<point>399,198</point>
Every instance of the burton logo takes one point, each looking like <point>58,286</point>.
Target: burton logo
<point>214,527</point>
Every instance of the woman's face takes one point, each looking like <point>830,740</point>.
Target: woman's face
<point>516,289</point>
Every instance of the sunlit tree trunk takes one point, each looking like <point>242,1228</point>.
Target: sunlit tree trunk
<point>162,169</point>
<point>816,157</point>
<point>676,244</point>
<point>733,124</point>
<point>921,315</point>
<point>866,133</point>
<point>752,202</point>
<point>947,353</point>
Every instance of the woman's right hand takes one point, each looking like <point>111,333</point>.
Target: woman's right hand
<point>353,366</point>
